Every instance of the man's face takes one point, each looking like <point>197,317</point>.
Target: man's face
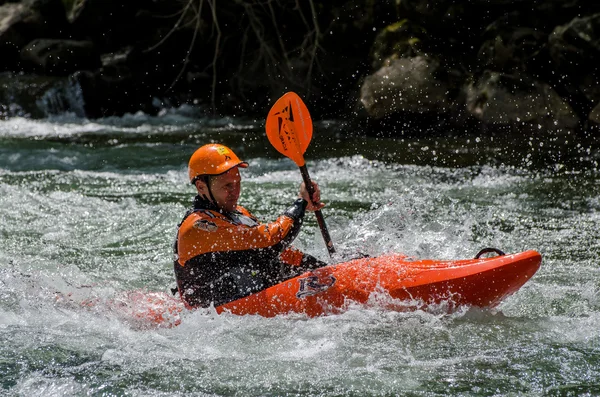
<point>226,189</point>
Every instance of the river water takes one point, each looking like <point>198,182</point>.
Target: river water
<point>88,212</point>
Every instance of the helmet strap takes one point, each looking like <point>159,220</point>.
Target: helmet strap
<point>206,179</point>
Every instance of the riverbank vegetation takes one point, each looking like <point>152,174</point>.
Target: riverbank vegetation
<point>419,66</point>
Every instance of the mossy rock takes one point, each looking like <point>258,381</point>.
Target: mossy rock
<point>402,39</point>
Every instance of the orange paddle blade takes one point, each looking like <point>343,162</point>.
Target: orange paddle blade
<point>289,127</point>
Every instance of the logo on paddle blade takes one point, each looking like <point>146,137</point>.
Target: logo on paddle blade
<point>283,117</point>
<point>311,285</point>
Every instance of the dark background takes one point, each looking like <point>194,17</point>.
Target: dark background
<point>428,66</point>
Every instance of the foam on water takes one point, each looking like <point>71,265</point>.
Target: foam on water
<point>82,224</point>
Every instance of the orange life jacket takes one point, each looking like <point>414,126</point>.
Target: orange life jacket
<point>223,256</point>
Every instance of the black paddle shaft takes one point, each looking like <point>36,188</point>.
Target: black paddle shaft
<point>320,220</point>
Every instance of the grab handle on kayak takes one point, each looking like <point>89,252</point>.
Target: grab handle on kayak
<point>487,251</point>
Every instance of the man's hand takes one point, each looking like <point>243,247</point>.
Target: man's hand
<point>315,203</point>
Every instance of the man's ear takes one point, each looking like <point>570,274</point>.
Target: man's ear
<point>201,187</point>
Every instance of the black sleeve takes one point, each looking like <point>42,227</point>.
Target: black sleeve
<point>296,213</point>
<point>297,210</point>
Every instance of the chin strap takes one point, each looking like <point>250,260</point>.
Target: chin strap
<point>207,182</point>
<point>203,202</point>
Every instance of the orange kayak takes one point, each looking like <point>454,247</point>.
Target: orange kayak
<point>395,282</point>
<point>475,282</point>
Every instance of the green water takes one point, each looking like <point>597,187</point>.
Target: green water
<point>88,210</point>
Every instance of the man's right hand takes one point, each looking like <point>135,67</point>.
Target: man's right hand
<point>314,204</point>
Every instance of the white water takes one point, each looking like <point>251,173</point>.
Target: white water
<point>88,211</point>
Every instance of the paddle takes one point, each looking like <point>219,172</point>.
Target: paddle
<point>289,129</point>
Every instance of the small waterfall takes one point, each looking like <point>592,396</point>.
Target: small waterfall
<point>36,97</point>
<point>64,97</point>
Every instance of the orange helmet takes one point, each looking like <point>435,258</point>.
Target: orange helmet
<point>213,159</point>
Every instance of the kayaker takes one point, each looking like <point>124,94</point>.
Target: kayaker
<point>222,252</point>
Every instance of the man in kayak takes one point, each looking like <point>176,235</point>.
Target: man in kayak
<point>222,252</point>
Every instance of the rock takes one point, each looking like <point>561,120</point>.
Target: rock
<point>575,52</point>
<point>452,26</point>
<point>406,85</point>
<point>399,40</point>
<point>113,24</point>
<point>499,99</point>
<point>60,57</point>
<point>510,48</point>
<point>117,87</point>
<point>20,23</point>
<point>595,115</point>
<point>23,95</point>
<point>12,19</point>
<point>53,16</point>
